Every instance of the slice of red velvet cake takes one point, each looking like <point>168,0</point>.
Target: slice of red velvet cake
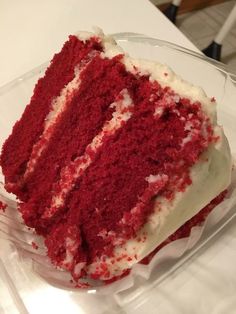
<point>112,156</point>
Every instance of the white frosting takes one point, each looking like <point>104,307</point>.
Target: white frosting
<point>84,36</point>
<point>153,178</point>
<point>71,247</point>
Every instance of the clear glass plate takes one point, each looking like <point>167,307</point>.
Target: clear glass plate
<point>22,289</point>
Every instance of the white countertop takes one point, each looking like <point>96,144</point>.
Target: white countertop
<point>30,32</point>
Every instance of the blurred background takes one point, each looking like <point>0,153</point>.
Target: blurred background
<point>201,20</point>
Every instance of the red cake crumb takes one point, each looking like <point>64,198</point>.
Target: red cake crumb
<point>34,246</point>
<point>115,278</point>
<point>83,285</point>
<point>3,206</point>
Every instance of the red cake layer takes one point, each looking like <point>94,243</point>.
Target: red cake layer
<point>29,128</point>
<point>3,206</point>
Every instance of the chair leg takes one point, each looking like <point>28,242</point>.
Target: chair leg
<point>172,10</point>
<point>214,49</point>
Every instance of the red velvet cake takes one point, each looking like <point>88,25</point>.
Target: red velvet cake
<point>111,156</point>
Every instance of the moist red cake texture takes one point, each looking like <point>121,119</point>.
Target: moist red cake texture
<point>98,207</point>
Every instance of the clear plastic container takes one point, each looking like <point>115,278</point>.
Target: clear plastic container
<point>24,288</point>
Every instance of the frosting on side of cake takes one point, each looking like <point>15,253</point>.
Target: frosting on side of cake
<point>209,178</point>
